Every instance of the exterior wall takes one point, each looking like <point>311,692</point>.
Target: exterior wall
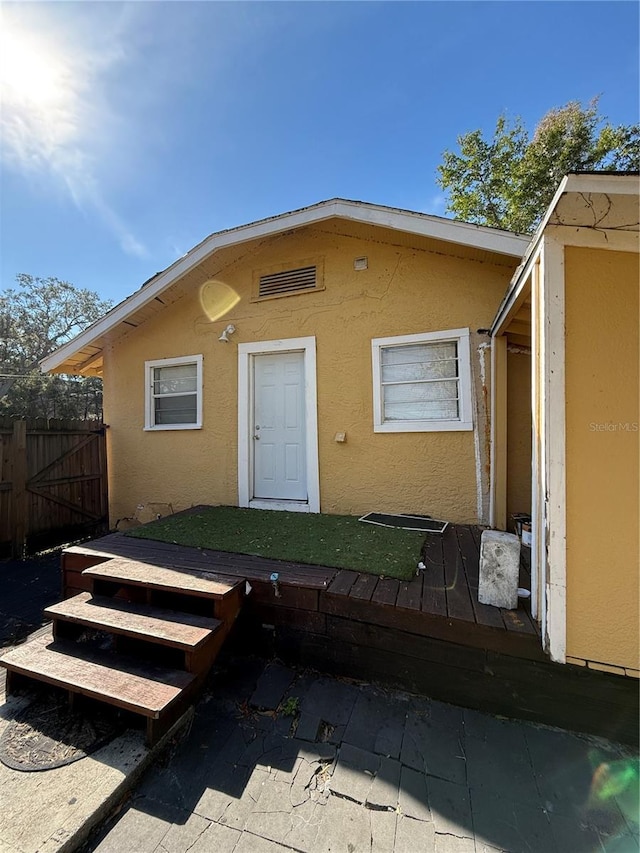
<point>404,291</point>
<point>518,432</point>
<point>602,456</point>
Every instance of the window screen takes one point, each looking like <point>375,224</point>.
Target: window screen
<point>420,382</point>
<point>175,398</point>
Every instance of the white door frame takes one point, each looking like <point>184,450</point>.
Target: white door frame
<point>246,353</point>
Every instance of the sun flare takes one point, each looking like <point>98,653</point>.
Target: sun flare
<point>30,73</point>
<point>57,119</point>
<point>217,299</point>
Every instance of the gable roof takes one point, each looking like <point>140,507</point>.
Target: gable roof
<point>83,354</point>
<point>584,200</point>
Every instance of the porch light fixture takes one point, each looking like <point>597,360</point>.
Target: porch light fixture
<point>230,329</point>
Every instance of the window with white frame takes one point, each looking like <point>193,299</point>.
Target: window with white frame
<point>174,393</point>
<point>422,382</point>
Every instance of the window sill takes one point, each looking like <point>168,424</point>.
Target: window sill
<point>171,427</point>
<point>425,426</point>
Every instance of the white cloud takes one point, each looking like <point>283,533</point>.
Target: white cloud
<point>55,119</point>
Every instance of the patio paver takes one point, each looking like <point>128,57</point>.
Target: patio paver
<point>248,786</point>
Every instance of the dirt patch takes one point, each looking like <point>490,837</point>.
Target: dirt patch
<point>48,733</point>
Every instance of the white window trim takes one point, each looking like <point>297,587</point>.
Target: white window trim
<point>149,366</point>
<point>464,422</point>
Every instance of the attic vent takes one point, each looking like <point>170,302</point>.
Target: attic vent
<point>288,281</point>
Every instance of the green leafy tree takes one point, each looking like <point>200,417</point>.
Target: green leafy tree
<point>37,317</point>
<point>508,181</point>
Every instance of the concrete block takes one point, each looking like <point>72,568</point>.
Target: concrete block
<point>499,569</point>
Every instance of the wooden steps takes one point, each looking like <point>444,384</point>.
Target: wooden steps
<point>130,685</point>
<point>186,631</point>
<point>185,581</point>
<point>149,613</point>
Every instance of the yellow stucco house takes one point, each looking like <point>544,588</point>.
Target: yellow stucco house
<point>349,357</point>
<point>352,380</point>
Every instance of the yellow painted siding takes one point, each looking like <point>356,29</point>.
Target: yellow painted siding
<point>403,291</point>
<point>498,463</point>
<point>518,432</point>
<point>602,456</point>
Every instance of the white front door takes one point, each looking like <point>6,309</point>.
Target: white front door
<point>278,429</point>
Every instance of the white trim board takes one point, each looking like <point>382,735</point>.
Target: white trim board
<point>480,418</point>
<point>593,238</point>
<point>555,447</point>
<point>280,506</point>
<point>537,498</point>
<point>246,352</point>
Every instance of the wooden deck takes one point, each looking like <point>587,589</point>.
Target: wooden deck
<point>448,587</point>
<point>441,601</point>
<point>428,635</point>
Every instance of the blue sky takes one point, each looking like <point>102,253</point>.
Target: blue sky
<point>130,131</point>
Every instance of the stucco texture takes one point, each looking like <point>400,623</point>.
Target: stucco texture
<point>405,290</point>
<point>602,460</point>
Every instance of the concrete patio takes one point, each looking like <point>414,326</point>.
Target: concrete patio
<point>361,769</point>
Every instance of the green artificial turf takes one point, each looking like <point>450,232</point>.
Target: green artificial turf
<point>339,541</point>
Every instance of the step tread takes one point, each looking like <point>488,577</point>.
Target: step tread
<point>190,581</point>
<point>146,689</point>
<point>168,627</point>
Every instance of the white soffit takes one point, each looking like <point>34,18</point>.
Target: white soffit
<point>420,224</point>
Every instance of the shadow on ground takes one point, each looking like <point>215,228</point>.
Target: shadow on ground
<point>28,586</point>
<point>354,768</point>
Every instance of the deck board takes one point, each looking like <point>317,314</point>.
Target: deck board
<point>364,587</point>
<point>136,573</point>
<point>457,589</point>
<point>410,594</point>
<point>518,621</point>
<point>386,592</point>
<point>342,582</point>
<point>167,627</point>
<point>434,598</point>
<point>184,557</point>
<point>142,688</point>
<point>484,614</point>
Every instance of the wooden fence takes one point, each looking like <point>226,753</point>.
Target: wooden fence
<point>53,482</point>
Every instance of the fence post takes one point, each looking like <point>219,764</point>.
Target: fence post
<point>19,489</point>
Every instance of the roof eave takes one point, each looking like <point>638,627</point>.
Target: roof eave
<point>420,224</point>
<point>575,182</point>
